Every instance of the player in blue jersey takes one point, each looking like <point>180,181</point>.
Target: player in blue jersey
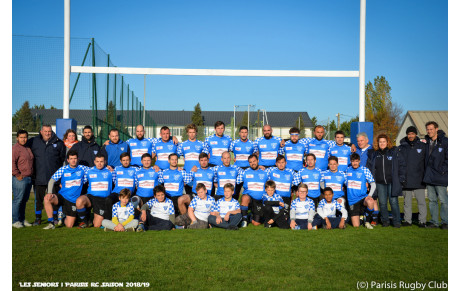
<point>125,175</point>
<point>294,151</point>
<point>174,181</point>
<point>311,176</point>
<point>122,214</point>
<point>146,179</point>
<point>283,178</point>
<point>158,212</point>
<point>268,147</point>
<point>358,198</point>
<point>242,148</point>
<point>71,177</point>
<point>140,145</point>
<point>226,212</point>
<point>253,180</point>
<point>190,150</point>
<point>198,211</point>
<point>275,211</point>
<point>341,151</point>
<point>335,179</point>
<point>100,181</point>
<point>216,144</point>
<point>330,214</point>
<point>203,175</point>
<point>163,148</point>
<point>114,149</point>
<point>319,147</point>
<point>224,174</point>
<point>302,210</point>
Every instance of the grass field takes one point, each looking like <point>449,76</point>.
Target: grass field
<point>250,258</point>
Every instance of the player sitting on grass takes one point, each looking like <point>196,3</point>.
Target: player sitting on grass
<point>302,210</point>
<point>327,215</point>
<point>160,215</point>
<point>226,213</point>
<point>122,214</point>
<point>275,213</point>
<point>198,211</point>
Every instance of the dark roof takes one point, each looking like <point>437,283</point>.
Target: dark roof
<point>275,119</point>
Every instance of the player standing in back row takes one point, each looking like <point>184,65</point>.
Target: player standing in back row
<point>217,144</point>
<point>268,147</point>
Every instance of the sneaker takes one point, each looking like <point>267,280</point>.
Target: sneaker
<point>26,223</point>
<point>37,221</point>
<point>444,226</point>
<point>405,223</point>
<point>82,225</point>
<point>431,225</point>
<point>56,222</point>
<point>107,229</point>
<point>315,227</point>
<point>385,224</point>
<point>368,225</point>
<point>179,227</point>
<point>422,225</point>
<point>296,227</point>
<point>374,223</point>
<point>232,227</point>
<point>140,228</point>
<point>18,224</point>
<point>244,223</point>
<point>59,222</point>
<point>49,226</point>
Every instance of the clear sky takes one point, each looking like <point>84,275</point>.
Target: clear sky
<point>406,41</point>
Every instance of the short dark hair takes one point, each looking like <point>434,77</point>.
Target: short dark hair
<point>243,127</point>
<point>66,134</point>
<point>99,155</point>
<point>339,132</point>
<point>328,189</point>
<point>88,127</point>
<point>72,153</point>
<point>164,128</point>
<point>203,155</point>
<point>253,156</point>
<point>159,188</point>
<point>333,158</point>
<point>113,129</point>
<point>219,123</point>
<point>22,131</point>
<point>200,186</point>
<point>355,156</point>
<point>47,125</point>
<point>124,193</point>
<point>173,154</point>
<point>270,184</point>
<point>310,155</point>
<point>319,125</point>
<point>146,155</point>
<point>280,157</point>
<point>294,130</point>
<point>434,123</point>
<point>125,154</point>
<point>229,186</point>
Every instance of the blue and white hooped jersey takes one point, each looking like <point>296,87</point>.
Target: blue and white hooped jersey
<point>242,151</point>
<point>122,213</point>
<point>146,180</point>
<point>284,180</point>
<point>303,208</point>
<point>125,178</point>
<point>330,209</point>
<point>174,181</point>
<point>342,153</point>
<point>72,180</point>
<point>191,151</point>
<point>140,147</point>
<point>253,182</point>
<point>336,181</point>
<point>275,197</point>
<point>202,208</point>
<point>204,176</point>
<point>312,178</point>
<point>162,150</point>
<point>161,210</point>
<point>320,148</point>
<point>224,175</point>
<point>100,181</point>
<point>223,206</point>
<point>268,150</point>
<point>215,146</point>
<point>356,183</point>
<point>294,153</point>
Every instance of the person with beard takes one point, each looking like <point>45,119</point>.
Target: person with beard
<point>114,149</point>
<point>87,148</point>
<point>319,147</point>
<point>268,147</point>
<point>413,150</point>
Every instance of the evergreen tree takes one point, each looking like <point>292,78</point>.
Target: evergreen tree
<point>300,125</point>
<point>23,119</point>
<point>197,119</point>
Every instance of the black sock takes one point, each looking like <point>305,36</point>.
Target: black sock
<point>244,213</point>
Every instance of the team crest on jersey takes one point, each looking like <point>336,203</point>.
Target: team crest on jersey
<point>323,145</point>
<point>105,175</point>
<point>248,148</point>
<point>122,148</point>
<point>316,176</point>
<point>440,149</point>
<point>225,143</point>
<point>95,152</point>
<point>144,143</point>
<point>287,176</point>
<point>338,178</point>
<point>130,172</point>
<point>232,173</point>
<point>101,212</point>
<point>151,174</point>
<point>274,145</point>
<point>74,208</point>
<point>210,175</point>
<point>165,208</point>
<point>54,145</point>
<point>261,176</point>
<point>170,147</point>
<point>78,173</point>
<point>389,158</point>
<point>419,150</point>
<point>359,175</point>
<point>197,147</point>
<point>299,148</point>
<point>208,205</point>
<point>306,206</point>
<point>176,177</point>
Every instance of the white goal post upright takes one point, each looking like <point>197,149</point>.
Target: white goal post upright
<point>218,72</point>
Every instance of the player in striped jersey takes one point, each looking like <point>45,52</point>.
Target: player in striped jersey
<point>327,215</point>
<point>216,144</point>
<point>319,147</point>
<point>275,211</point>
<point>294,151</point>
<point>204,175</point>
<point>341,151</point>
<point>226,211</point>
<point>160,215</point>
<point>268,147</point>
<point>283,178</point>
<point>163,148</point>
<point>71,177</point>
<point>198,211</point>
<point>122,214</point>
<point>302,210</point>
<point>224,174</point>
<point>335,179</point>
<point>312,177</point>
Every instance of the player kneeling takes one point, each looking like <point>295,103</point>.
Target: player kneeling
<point>122,214</point>
<point>275,213</point>
<point>327,215</point>
<point>160,212</point>
<point>226,213</point>
<point>199,210</point>
<point>302,210</point>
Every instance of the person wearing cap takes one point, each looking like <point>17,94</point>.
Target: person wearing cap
<point>413,150</point>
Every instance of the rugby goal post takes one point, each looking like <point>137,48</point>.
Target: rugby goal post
<point>213,72</point>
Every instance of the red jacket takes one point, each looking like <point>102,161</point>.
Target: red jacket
<point>23,161</point>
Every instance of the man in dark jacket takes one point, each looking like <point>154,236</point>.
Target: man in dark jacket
<point>413,151</point>
<point>87,148</point>
<point>436,173</point>
<point>49,155</point>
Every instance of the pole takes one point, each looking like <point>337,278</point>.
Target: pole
<point>143,118</point>
<point>234,113</point>
<point>338,121</point>
<point>248,119</point>
<point>66,101</point>
<point>362,60</point>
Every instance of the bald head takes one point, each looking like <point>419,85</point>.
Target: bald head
<point>225,158</point>
<point>267,129</point>
<point>140,131</point>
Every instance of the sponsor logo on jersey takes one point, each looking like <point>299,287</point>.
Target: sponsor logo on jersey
<point>222,173</point>
<point>213,143</point>
<point>349,174</point>
<point>249,176</point>
<point>119,172</point>
<point>67,175</point>
<point>133,144</point>
<point>159,148</point>
<point>237,149</point>
<point>325,177</point>
<point>142,175</point>
<point>305,177</point>
<point>263,146</point>
<point>186,148</point>
<point>93,175</point>
<point>166,177</point>
<point>289,148</point>
<point>334,152</point>
<point>276,175</point>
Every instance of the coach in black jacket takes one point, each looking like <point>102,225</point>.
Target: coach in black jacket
<point>87,148</point>
<point>412,149</point>
<point>49,155</point>
<point>436,172</point>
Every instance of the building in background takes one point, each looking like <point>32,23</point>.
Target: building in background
<point>418,119</point>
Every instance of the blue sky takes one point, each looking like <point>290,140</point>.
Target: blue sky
<point>406,41</point>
